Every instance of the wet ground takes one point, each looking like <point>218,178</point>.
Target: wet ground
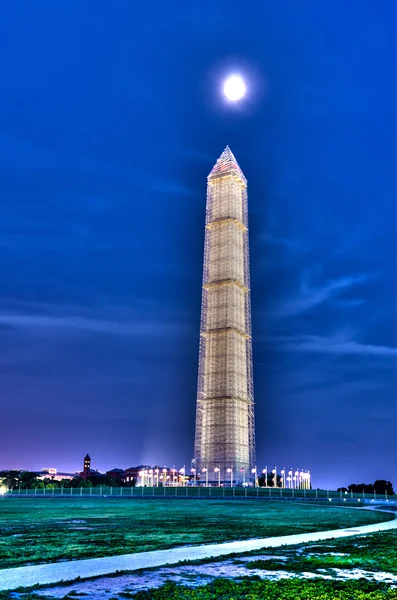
<point>113,587</point>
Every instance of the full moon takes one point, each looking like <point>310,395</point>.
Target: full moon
<point>234,88</point>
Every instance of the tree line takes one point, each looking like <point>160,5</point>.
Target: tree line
<point>14,480</point>
<point>380,486</point>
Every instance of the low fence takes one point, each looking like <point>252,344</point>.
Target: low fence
<point>202,492</point>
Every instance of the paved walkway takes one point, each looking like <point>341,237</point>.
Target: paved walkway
<point>95,567</point>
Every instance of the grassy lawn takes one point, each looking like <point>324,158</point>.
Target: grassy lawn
<point>251,589</point>
<point>225,589</point>
<point>377,552</point>
<point>46,530</point>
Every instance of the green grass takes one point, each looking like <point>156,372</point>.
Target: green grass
<point>377,552</point>
<point>42,530</point>
<point>254,589</point>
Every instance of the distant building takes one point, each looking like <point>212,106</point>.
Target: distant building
<point>53,473</point>
<point>145,475</point>
<point>87,471</point>
<point>134,475</point>
<point>116,474</point>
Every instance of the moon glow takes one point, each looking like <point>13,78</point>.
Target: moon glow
<point>234,88</point>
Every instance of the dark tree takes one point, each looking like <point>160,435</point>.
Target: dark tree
<point>270,480</point>
<point>380,486</point>
<point>27,479</point>
<point>10,479</point>
<point>383,487</point>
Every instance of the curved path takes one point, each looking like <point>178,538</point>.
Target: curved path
<point>95,567</point>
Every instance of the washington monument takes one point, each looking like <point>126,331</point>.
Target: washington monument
<point>225,432</point>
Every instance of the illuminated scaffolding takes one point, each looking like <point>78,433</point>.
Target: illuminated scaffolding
<point>225,432</point>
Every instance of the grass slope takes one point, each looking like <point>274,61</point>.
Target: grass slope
<point>46,530</point>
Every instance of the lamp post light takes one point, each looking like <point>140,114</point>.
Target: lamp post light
<point>253,471</point>
<point>231,476</point>
<point>296,478</point>
<point>205,469</point>
<point>194,476</point>
<point>243,470</point>
<point>183,473</point>
<point>218,470</point>
<point>290,478</point>
<point>283,478</point>
<point>157,477</point>
<point>140,477</point>
<point>265,474</point>
<point>275,477</point>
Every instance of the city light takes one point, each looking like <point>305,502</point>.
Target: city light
<point>224,476</point>
<point>231,476</point>
<point>218,470</point>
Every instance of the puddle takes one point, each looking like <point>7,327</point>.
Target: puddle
<point>261,557</point>
<point>112,587</point>
<point>320,554</point>
<point>361,573</point>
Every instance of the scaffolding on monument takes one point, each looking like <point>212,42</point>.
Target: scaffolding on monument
<point>225,430</point>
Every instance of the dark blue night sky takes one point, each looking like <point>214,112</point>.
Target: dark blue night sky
<point>111,118</point>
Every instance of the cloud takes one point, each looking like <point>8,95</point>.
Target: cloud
<point>172,188</point>
<point>337,345</point>
<point>136,327</point>
<point>310,297</point>
<point>287,243</point>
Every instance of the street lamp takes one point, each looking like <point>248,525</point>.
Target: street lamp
<point>231,476</point>
<point>275,477</point>
<point>243,472</point>
<point>194,476</point>
<point>253,471</point>
<point>265,474</point>
<point>283,478</point>
<point>206,476</point>
<point>218,470</point>
<point>290,478</point>
<point>182,472</point>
